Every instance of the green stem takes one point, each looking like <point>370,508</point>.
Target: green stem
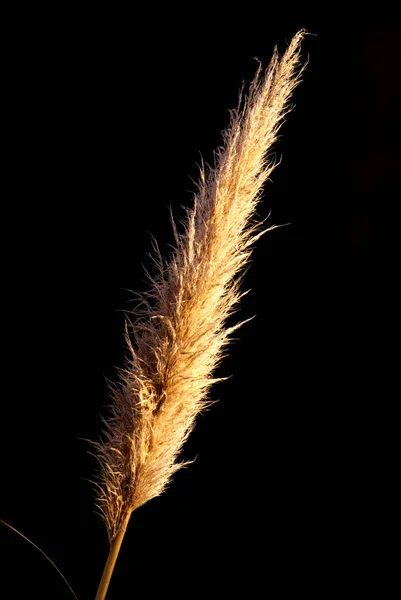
<point>110,563</point>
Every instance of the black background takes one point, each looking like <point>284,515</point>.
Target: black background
<point>291,489</point>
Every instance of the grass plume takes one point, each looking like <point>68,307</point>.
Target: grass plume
<point>178,334</point>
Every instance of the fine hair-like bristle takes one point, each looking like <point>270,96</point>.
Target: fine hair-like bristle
<point>177,338</point>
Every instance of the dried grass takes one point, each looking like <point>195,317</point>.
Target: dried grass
<point>178,335</point>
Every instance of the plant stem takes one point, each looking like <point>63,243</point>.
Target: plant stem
<point>110,563</point>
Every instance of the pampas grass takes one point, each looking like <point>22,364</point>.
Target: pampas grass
<point>177,336</point>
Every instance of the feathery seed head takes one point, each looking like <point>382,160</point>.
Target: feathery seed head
<point>178,336</point>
